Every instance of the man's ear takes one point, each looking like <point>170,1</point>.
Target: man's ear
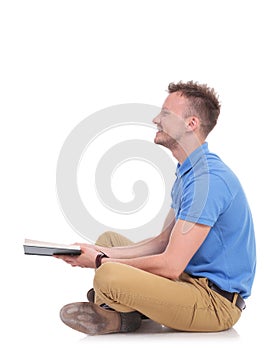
<point>192,123</point>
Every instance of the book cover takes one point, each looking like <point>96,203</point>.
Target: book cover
<point>33,247</point>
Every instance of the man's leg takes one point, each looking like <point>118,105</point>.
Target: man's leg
<point>112,239</point>
<point>187,304</point>
<point>93,319</point>
<point>107,239</point>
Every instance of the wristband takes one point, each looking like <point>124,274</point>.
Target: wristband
<point>98,260</point>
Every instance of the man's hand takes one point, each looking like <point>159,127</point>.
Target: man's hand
<point>85,259</point>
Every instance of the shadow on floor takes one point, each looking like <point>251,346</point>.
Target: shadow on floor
<point>152,330</point>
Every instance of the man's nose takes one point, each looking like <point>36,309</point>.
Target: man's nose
<point>156,120</point>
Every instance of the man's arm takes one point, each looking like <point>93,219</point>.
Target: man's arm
<point>185,240</point>
<point>151,246</point>
<point>154,245</point>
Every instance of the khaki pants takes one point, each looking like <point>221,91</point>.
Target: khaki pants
<point>187,304</point>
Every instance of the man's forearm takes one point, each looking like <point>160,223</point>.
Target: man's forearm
<point>150,246</point>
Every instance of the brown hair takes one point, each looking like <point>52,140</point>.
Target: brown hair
<point>203,102</point>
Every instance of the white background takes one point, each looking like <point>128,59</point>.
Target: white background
<point>62,61</point>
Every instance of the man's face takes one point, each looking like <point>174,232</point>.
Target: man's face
<point>171,122</point>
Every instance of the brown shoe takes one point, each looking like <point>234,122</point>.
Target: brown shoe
<point>89,318</point>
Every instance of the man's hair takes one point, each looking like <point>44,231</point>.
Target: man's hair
<point>203,103</point>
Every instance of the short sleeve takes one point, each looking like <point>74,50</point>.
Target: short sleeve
<point>204,199</point>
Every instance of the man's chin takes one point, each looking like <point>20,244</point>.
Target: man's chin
<point>161,142</point>
<point>166,142</point>
<point>157,140</point>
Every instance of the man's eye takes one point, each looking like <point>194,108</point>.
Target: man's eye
<point>164,113</point>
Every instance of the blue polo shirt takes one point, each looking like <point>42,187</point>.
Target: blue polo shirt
<point>207,192</point>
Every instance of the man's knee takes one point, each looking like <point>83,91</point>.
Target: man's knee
<point>112,239</point>
<point>108,277</point>
<point>105,239</point>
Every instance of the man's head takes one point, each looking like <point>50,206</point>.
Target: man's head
<point>190,108</point>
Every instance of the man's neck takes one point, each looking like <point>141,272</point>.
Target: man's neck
<point>182,150</point>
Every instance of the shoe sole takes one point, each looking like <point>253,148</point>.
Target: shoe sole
<point>89,318</point>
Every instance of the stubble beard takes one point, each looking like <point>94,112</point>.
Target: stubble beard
<point>165,140</point>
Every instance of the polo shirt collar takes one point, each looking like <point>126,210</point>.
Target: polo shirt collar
<point>191,160</point>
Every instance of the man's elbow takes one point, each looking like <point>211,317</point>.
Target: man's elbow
<point>171,270</point>
<point>173,274</point>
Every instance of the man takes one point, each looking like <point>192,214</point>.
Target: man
<point>195,275</point>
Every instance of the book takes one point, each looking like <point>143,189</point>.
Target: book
<point>33,247</point>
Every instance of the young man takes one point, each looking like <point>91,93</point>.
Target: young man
<point>195,275</point>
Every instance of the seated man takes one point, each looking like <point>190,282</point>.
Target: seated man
<point>195,275</point>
